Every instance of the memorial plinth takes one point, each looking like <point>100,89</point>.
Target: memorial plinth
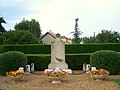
<point>58,55</point>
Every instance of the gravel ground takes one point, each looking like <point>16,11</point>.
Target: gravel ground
<point>71,82</point>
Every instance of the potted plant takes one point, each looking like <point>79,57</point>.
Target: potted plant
<point>55,75</point>
<point>99,73</point>
<point>15,75</point>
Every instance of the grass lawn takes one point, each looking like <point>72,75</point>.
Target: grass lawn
<point>117,81</point>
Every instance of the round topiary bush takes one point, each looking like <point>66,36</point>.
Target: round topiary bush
<point>11,61</point>
<point>106,59</point>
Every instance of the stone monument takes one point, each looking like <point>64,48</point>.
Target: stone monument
<point>32,67</point>
<point>58,55</point>
<point>21,69</point>
<point>28,69</point>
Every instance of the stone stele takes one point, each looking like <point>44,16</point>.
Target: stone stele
<point>58,54</point>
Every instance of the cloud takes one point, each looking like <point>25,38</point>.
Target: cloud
<point>59,15</point>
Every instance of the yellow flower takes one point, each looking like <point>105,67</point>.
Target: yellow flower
<point>62,73</point>
<point>15,73</point>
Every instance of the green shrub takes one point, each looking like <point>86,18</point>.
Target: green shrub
<point>69,48</point>
<point>106,59</point>
<point>11,61</point>
<point>27,48</point>
<point>41,62</point>
<point>74,61</point>
<point>91,47</point>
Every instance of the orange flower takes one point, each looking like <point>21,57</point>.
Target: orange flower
<point>55,74</point>
<point>102,72</point>
<point>15,73</point>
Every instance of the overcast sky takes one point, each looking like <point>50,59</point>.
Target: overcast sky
<point>59,15</point>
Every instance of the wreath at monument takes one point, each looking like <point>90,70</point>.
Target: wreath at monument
<point>99,73</point>
<point>15,75</point>
<point>55,73</point>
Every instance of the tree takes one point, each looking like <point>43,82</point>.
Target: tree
<point>2,30</point>
<point>89,39</point>
<point>76,33</point>
<point>19,37</point>
<point>33,26</point>
<point>107,36</point>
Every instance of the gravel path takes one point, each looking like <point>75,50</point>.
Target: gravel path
<point>71,82</point>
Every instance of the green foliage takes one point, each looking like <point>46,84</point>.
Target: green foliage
<point>108,37</point>
<point>117,81</point>
<point>89,39</point>
<point>33,26</point>
<point>1,40</point>
<point>19,37</point>
<point>90,48</point>
<point>106,59</point>
<point>76,61</point>
<point>11,61</point>
<point>27,48</point>
<point>41,62</point>
<point>76,33</point>
<point>105,36</point>
<point>76,54</point>
<point>2,30</point>
<point>69,49</point>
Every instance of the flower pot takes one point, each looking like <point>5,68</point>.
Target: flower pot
<point>55,79</point>
<point>99,74</point>
<point>100,77</point>
<point>55,75</point>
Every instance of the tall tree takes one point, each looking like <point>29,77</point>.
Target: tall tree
<point>89,39</point>
<point>19,37</point>
<point>33,26</point>
<point>2,30</point>
<point>107,36</point>
<point>76,33</point>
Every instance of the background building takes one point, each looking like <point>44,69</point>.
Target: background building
<point>50,37</point>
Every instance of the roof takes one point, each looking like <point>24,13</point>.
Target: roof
<point>69,39</point>
<point>51,34</point>
<point>63,37</point>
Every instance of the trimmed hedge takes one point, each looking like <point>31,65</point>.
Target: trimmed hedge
<point>11,61</point>
<point>69,48</point>
<point>27,48</point>
<point>73,61</point>
<point>106,59</point>
<point>76,54</point>
<point>90,48</point>
<point>40,62</point>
